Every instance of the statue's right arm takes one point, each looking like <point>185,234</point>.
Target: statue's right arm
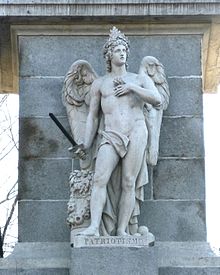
<point>93,116</point>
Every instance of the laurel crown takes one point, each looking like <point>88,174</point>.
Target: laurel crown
<point>114,36</point>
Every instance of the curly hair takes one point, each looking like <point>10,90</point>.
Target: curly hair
<point>116,38</point>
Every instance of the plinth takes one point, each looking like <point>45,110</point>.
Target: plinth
<point>113,255</point>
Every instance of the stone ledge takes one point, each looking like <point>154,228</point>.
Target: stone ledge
<point>185,270</point>
<point>109,8</point>
<point>183,258</point>
<point>195,258</point>
<point>34,255</point>
<point>197,254</point>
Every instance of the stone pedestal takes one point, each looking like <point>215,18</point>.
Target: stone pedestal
<point>114,260</point>
<point>182,258</point>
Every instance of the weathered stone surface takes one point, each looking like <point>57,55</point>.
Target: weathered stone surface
<point>37,271</point>
<point>191,254</point>
<point>211,66</point>
<point>118,261</point>
<point>182,56</point>
<point>42,179</point>
<point>182,137</point>
<point>179,179</point>
<point>173,258</point>
<point>7,74</point>
<point>39,96</point>
<point>38,258</point>
<point>41,250</point>
<point>40,137</point>
<point>111,8</point>
<point>187,258</point>
<point>42,221</point>
<point>189,270</point>
<point>185,97</point>
<point>175,220</point>
<point>38,59</point>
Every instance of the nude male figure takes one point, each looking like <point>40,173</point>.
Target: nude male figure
<point>121,96</point>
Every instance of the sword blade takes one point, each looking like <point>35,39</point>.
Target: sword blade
<point>63,130</point>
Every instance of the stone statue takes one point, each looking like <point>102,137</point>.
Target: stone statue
<point>116,120</point>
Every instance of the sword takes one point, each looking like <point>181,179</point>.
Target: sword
<point>75,147</point>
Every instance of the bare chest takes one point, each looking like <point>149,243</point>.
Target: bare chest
<point>111,101</point>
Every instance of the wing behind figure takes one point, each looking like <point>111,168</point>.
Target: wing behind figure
<point>151,67</point>
<point>76,99</point>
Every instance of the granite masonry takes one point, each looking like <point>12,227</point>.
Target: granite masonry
<point>44,41</point>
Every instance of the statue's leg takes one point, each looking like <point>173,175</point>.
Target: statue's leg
<point>106,162</point>
<point>131,166</point>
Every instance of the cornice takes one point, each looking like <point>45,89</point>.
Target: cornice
<point>88,8</point>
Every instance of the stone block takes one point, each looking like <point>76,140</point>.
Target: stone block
<point>38,271</point>
<point>186,254</point>
<point>179,179</point>
<point>175,220</point>
<point>185,97</point>
<point>185,270</point>
<point>39,60</point>
<point>7,82</point>
<point>182,53</point>
<point>41,179</point>
<point>182,137</point>
<point>118,261</point>
<point>50,251</point>
<point>41,138</point>
<point>40,96</point>
<point>187,258</point>
<point>37,258</point>
<point>42,221</point>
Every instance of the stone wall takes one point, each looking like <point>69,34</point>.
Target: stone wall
<point>174,208</point>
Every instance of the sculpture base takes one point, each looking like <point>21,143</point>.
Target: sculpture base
<point>113,241</point>
<point>113,255</point>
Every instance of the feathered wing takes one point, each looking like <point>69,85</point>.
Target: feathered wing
<point>153,115</point>
<point>76,99</point>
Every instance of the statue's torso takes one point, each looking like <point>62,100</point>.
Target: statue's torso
<point>121,113</point>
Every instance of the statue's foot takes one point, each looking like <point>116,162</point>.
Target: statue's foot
<point>90,231</point>
<point>121,233</point>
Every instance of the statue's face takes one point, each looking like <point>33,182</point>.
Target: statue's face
<point>86,76</point>
<point>119,55</point>
<point>151,68</point>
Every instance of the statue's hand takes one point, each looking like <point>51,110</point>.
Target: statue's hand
<point>118,81</point>
<point>79,152</point>
<point>120,87</point>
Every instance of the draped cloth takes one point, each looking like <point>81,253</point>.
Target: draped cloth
<point>108,226</point>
